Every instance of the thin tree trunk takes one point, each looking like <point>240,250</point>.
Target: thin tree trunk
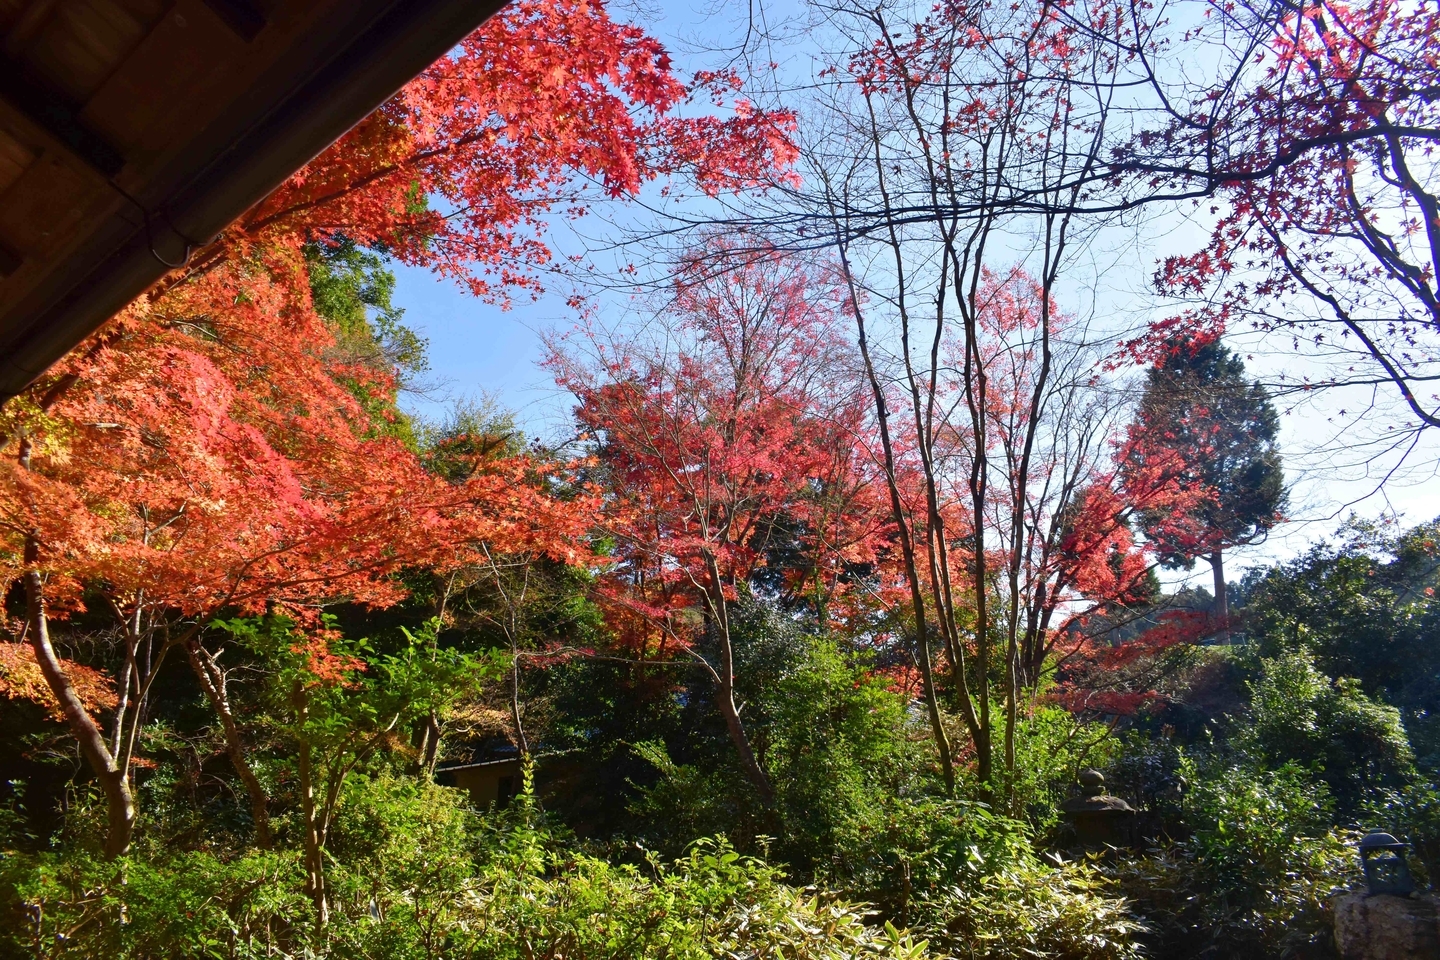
<point>753,771</point>
<point>212,681</point>
<point>725,696</point>
<point>114,782</point>
<point>127,671</point>
<point>520,739</point>
<point>431,756</point>
<point>314,854</point>
<point>725,700</point>
<point>420,740</point>
<point>119,802</point>
<point>1222,598</point>
<point>907,545</point>
<point>974,372</point>
<point>122,703</point>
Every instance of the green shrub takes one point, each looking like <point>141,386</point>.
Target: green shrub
<point>187,905</point>
<point>836,748</point>
<point>402,853</point>
<point>1413,815</point>
<point>1027,909</point>
<point>711,903</point>
<point>1255,876</point>
<point>695,800</point>
<point>836,743</point>
<point>1366,607</point>
<point>1298,715</point>
<point>918,843</point>
<point>969,881</point>
<point>417,876</point>
<point>1052,746</point>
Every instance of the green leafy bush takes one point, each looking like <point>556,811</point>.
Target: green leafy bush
<point>187,905</point>
<point>836,747</point>
<point>537,902</point>
<point>1413,815</point>
<point>695,800</point>
<point>1364,607</point>
<point>414,875</point>
<point>1052,746</point>
<point>1255,875</point>
<point>402,853</point>
<point>1028,909</point>
<point>969,881</point>
<point>837,744</point>
<point>918,843</point>
<point>1354,744</point>
<point>858,816</point>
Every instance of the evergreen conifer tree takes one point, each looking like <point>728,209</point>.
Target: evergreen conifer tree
<point>1200,404</point>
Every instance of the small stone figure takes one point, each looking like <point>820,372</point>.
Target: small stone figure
<point>1099,820</point>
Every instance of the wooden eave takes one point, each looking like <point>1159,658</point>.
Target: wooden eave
<point>134,131</point>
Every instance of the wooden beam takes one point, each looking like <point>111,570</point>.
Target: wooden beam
<point>326,64</point>
<point>242,16</point>
<point>31,19</point>
<point>47,110</point>
<point>9,261</point>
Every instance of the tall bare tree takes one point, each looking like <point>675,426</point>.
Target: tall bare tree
<point>954,158</point>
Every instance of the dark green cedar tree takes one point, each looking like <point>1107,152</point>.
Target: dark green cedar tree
<point>1200,404</point>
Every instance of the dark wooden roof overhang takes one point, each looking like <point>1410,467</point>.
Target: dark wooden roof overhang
<point>133,131</point>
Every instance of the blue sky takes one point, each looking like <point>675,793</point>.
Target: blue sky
<point>477,348</point>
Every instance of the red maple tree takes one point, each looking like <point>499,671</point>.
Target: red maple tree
<point>732,447</point>
<point>552,105</point>
<point>213,449</point>
<point>233,468</point>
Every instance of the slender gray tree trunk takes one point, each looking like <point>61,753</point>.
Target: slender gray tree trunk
<point>212,681</point>
<point>112,775</point>
<point>1222,599</point>
<point>119,802</point>
<point>314,844</point>
<point>725,700</point>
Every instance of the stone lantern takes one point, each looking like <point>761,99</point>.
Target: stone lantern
<point>1099,820</point>
<point>1372,926</point>
<point>1386,870</point>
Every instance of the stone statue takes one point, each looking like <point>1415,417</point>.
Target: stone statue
<point>1098,819</point>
